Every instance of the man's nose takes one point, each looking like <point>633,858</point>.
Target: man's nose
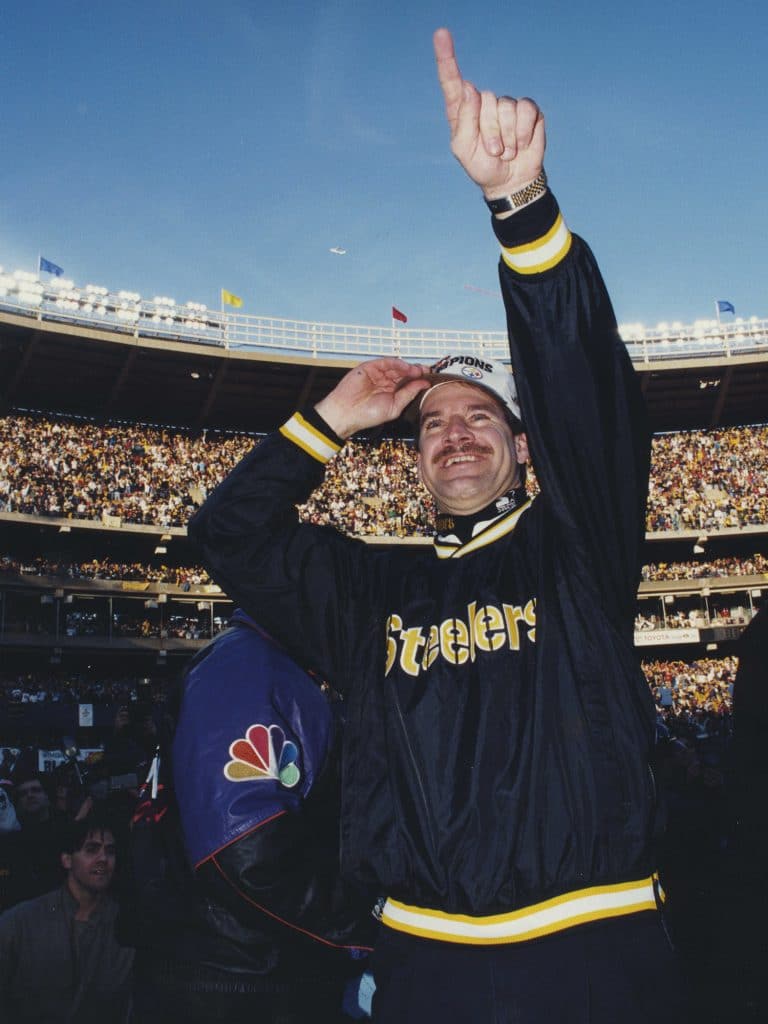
<point>457,427</point>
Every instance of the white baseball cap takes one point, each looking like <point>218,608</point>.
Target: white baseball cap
<point>490,374</point>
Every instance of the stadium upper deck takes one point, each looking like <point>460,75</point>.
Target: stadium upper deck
<point>93,352</point>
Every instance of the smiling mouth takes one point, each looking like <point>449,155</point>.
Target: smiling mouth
<point>455,458</point>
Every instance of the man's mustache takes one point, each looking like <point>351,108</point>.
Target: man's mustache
<point>461,449</point>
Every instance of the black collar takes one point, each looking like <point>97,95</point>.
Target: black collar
<point>464,527</point>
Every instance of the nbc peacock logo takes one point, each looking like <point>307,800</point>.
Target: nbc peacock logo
<point>263,753</point>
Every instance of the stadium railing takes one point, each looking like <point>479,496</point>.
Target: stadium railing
<point>127,313</point>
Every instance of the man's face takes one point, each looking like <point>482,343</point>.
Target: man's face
<point>92,867</point>
<point>31,799</point>
<point>468,455</point>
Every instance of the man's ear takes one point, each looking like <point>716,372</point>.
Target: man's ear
<point>521,448</point>
<point>66,861</point>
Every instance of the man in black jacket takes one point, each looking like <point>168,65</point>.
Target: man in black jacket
<point>496,779</point>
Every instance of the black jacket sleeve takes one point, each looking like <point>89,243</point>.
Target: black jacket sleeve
<point>581,403</point>
<point>304,584</point>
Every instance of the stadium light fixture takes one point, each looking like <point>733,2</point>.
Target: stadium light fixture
<point>711,647</point>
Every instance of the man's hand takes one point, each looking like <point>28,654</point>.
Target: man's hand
<point>499,141</point>
<point>375,392</point>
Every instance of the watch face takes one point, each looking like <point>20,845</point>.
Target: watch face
<point>499,205</point>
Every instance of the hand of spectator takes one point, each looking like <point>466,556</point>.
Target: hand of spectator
<point>498,140</point>
<point>375,392</point>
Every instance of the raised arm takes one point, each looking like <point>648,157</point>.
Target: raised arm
<point>581,404</point>
<point>498,140</point>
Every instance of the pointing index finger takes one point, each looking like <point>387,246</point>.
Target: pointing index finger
<point>448,74</point>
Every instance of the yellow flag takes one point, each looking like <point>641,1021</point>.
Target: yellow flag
<point>228,299</point>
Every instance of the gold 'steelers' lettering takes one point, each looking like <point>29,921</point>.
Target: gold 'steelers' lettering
<point>487,629</point>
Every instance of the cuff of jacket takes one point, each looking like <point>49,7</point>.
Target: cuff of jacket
<point>535,238</point>
<point>309,431</point>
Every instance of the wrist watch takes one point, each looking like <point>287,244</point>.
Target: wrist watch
<point>521,198</point>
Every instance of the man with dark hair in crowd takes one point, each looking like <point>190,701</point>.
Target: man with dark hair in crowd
<point>59,958</point>
<point>39,840</point>
<point>496,782</point>
<point>33,805</point>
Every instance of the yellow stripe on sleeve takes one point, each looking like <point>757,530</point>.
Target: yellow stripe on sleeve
<point>309,438</point>
<point>541,254</point>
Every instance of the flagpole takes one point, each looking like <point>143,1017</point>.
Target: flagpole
<point>224,321</point>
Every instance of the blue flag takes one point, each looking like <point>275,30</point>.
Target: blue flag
<point>50,268</point>
<point>723,306</point>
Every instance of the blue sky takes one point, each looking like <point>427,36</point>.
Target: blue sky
<point>176,147</point>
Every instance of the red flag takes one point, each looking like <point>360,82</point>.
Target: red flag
<point>397,315</point>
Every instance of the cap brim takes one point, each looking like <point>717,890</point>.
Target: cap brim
<point>411,411</point>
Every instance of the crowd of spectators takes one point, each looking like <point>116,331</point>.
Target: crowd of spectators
<point>69,687</point>
<point>709,479</point>
<point>695,699</point>
<point>104,569</point>
<point>84,470</point>
<point>372,490</point>
<point>754,565</point>
<point>692,618</point>
<point>701,480</point>
<point>195,575</point>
